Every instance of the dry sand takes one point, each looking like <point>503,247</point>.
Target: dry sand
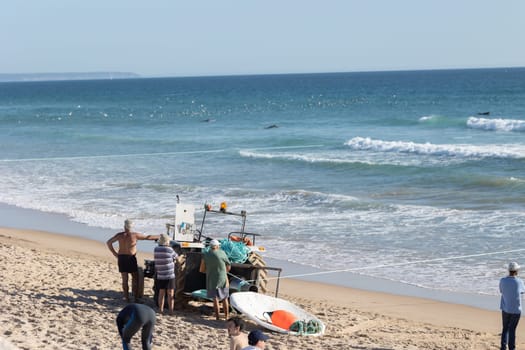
<point>62,292</point>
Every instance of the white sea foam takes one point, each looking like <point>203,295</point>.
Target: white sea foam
<point>397,153</point>
<point>346,231</point>
<point>304,157</point>
<point>431,258</point>
<point>426,118</point>
<point>440,150</point>
<point>497,124</point>
<point>342,157</point>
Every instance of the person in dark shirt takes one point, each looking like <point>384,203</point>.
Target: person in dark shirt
<point>132,318</point>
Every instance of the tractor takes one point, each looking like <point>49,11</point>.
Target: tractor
<point>248,269</point>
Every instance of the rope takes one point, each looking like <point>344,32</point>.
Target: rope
<point>396,264</point>
<point>303,327</point>
<point>110,156</point>
<point>145,154</point>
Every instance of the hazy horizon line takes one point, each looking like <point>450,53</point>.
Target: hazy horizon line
<point>109,75</point>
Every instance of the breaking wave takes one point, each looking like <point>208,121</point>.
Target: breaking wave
<point>496,124</point>
<point>514,151</point>
<point>307,157</point>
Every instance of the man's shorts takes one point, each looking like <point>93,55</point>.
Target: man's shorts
<point>166,284</point>
<point>127,263</point>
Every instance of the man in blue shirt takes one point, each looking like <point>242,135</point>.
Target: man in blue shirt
<point>511,288</point>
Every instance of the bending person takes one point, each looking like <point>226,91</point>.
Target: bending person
<point>132,318</point>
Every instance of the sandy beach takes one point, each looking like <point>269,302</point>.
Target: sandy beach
<point>63,292</point>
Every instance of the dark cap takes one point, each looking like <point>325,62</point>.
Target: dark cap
<point>255,336</point>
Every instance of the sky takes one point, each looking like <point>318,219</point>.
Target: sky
<point>227,37</point>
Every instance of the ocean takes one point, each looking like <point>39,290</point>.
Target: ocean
<point>416,177</point>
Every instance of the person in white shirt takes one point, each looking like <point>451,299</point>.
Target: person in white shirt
<point>511,288</point>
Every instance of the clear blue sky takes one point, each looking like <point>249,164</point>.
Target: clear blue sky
<point>223,37</point>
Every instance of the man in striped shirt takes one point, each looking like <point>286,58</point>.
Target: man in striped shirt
<point>165,257</point>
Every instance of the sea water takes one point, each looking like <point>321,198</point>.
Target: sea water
<point>417,177</point>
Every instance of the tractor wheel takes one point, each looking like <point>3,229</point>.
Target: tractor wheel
<point>180,277</point>
<point>260,275</point>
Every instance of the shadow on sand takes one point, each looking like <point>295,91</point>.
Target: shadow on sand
<point>111,301</point>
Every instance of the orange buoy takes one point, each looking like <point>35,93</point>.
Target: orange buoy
<point>235,238</point>
<point>282,318</point>
<point>245,240</point>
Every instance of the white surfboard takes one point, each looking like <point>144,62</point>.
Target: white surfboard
<point>255,306</point>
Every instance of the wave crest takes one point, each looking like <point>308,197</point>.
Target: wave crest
<point>442,150</point>
<point>496,124</point>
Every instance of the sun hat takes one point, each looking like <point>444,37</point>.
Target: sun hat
<point>164,239</point>
<point>514,266</point>
<point>255,336</point>
<point>214,243</point>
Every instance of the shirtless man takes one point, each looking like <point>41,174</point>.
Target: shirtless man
<point>238,339</point>
<point>127,261</point>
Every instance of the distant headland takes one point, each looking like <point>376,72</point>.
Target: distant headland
<point>66,76</point>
